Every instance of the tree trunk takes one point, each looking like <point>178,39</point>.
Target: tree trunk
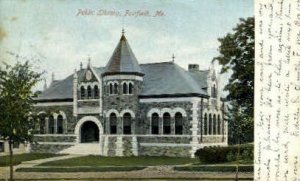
<point>238,161</point>
<point>11,160</point>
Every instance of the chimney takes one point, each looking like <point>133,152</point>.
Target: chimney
<point>193,67</point>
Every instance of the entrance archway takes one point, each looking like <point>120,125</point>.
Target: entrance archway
<point>81,122</point>
<point>89,132</point>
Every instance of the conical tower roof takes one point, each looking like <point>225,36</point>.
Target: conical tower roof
<point>123,60</point>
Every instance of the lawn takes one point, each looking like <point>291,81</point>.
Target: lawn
<point>120,161</point>
<point>17,159</point>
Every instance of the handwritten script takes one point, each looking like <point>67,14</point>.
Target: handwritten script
<point>277,90</point>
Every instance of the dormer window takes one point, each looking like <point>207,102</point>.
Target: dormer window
<point>96,91</point>
<point>89,92</point>
<point>82,92</point>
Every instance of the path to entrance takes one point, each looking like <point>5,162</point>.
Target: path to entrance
<point>4,171</point>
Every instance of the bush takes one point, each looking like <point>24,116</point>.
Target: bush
<point>222,168</point>
<point>217,154</point>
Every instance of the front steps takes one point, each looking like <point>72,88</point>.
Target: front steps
<point>83,149</point>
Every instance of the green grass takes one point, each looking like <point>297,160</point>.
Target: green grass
<point>215,168</point>
<point>17,159</point>
<point>120,161</point>
<point>78,169</point>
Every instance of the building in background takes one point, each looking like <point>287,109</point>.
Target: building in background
<point>127,108</point>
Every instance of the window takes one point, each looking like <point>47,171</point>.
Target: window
<point>89,92</point>
<point>214,92</point>
<point>110,88</point>
<point>178,123</point>
<point>210,124</point>
<point>166,123</point>
<point>113,123</point>
<point>82,92</point>
<point>116,88</point>
<point>16,144</point>
<point>214,124</point>
<point>42,124</point>
<point>127,123</point>
<point>154,123</point>
<point>60,124</point>
<point>205,124</point>
<point>124,88</point>
<point>51,125</point>
<point>1,147</point>
<point>130,88</point>
<point>219,125</point>
<point>96,91</point>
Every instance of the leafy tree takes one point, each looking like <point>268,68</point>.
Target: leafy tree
<point>16,104</point>
<point>237,57</point>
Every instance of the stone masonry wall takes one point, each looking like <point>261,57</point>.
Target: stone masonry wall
<point>144,122</point>
<point>164,151</point>
<point>43,148</point>
<point>50,138</point>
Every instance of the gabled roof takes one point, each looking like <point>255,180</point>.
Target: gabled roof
<point>123,60</point>
<point>164,79</point>
<point>167,78</point>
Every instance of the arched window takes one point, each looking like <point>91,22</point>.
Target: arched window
<point>124,88</point>
<point>60,121</point>
<point>166,123</point>
<point>89,92</point>
<point>110,88</point>
<point>154,123</point>
<point>82,92</point>
<point>210,125</point>
<point>42,123</point>
<point>214,91</point>
<point>96,91</point>
<point>205,124</point>
<point>113,123</point>
<point>116,88</point>
<point>130,88</point>
<point>178,123</point>
<point>219,125</point>
<point>214,124</point>
<point>51,125</point>
<point>127,123</point>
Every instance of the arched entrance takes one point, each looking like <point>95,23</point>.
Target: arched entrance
<point>89,132</point>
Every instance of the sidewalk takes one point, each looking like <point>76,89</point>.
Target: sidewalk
<point>4,171</point>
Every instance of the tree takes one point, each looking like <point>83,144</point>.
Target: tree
<point>16,104</point>
<point>237,57</point>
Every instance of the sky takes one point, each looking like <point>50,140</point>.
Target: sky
<point>57,35</point>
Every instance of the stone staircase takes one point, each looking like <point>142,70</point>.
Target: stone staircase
<point>83,149</point>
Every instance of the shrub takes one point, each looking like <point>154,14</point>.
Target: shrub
<point>217,154</point>
<point>222,168</point>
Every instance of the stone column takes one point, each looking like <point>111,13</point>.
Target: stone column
<point>194,129</point>
<point>75,94</point>
<point>46,125</point>
<point>55,125</point>
<point>119,125</point>
<point>160,126</point>
<point>173,125</point>
<point>133,126</point>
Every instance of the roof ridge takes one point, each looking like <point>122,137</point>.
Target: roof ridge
<point>150,63</point>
